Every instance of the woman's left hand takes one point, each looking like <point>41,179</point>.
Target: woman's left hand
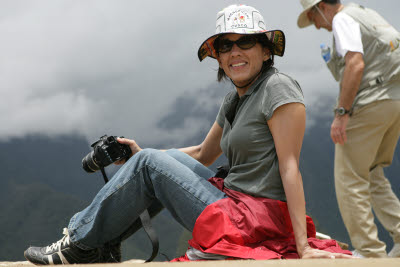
<point>312,253</point>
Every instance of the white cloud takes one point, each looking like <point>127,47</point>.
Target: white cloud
<point>93,67</point>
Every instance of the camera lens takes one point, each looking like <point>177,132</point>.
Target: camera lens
<point>89,164</point>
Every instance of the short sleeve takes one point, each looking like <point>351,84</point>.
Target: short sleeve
<point>347,34</point>
<point>279,90</point>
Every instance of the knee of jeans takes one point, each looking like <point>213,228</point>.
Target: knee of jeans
<point>138,160</point>
<point>148,154</point>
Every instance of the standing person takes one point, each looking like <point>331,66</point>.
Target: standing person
<point>258,211</point>
<point>365,59</point>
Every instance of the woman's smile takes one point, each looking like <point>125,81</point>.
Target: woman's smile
<point>238,65</point>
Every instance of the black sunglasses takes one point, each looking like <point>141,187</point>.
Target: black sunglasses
<point>245,42</point>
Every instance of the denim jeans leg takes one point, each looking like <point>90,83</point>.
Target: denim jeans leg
<point>156,207</point>
<point>191,163</point>
<point>148,176</point>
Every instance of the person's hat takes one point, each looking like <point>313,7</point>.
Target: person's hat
<point>303,20</point>
<point>241,19</point>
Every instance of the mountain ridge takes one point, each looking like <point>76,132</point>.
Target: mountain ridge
<point>43,184</point>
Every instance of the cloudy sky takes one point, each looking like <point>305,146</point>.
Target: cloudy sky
<point>90,67</point>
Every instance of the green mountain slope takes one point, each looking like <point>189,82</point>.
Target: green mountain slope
<point>42,185</point>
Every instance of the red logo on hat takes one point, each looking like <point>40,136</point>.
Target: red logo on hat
<point>238,19</point>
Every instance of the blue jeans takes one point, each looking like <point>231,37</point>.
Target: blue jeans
<point>150,179</point>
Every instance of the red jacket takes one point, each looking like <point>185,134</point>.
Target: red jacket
<point>247,227</point>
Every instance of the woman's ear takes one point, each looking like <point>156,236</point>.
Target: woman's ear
<point>219,61</point>
<point>267,54</point>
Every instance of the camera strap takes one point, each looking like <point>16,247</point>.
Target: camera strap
<point>104,175</point>
<point>151,233</point>
<point>146,224</point>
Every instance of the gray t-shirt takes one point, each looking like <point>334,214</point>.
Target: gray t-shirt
<point>247,141</point>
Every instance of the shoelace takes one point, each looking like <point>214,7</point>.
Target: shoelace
<point>63,241</point>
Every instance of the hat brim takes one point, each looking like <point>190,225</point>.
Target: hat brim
<point>303,20</point>
<point>277,37</point>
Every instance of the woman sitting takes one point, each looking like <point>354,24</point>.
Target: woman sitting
<point>258,210</point>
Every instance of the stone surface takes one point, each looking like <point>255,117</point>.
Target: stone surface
<point>14,263</point>
<point>244,263</point>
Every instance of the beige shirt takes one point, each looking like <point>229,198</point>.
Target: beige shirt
<point>380,43</point>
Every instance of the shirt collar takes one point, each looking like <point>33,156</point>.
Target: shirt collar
<point>233,100</point>
<point>254,87</point>
<point>260,79</point>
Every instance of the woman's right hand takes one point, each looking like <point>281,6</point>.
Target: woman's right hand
<point>132,144</point>
<point>312,253</point>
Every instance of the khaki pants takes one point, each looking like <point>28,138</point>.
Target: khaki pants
<point>372,135</point>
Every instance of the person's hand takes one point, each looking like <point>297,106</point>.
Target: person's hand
<point>132,144</point>
<point>312,253</point>
<point>338,129</point>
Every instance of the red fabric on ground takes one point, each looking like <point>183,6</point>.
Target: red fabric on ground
<point>247,227</point>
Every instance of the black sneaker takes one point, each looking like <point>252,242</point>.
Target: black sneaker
<point>62,252</point>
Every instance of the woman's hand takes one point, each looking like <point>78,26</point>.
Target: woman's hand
<point>312,253</point>
<point>132,144</point>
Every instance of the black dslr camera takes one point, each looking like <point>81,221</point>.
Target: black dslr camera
<point>106,150</point>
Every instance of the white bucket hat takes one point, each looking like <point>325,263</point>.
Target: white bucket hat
<point>241,19</point>
<point>303,20</point>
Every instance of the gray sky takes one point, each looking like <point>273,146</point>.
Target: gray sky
<point>94,67</point>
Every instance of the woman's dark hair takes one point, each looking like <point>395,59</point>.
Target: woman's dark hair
<point>264,41</point>
<point>331,2</point>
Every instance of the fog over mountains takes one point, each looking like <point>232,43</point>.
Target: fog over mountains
<point>42,183</point>
<point>89,67</point>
